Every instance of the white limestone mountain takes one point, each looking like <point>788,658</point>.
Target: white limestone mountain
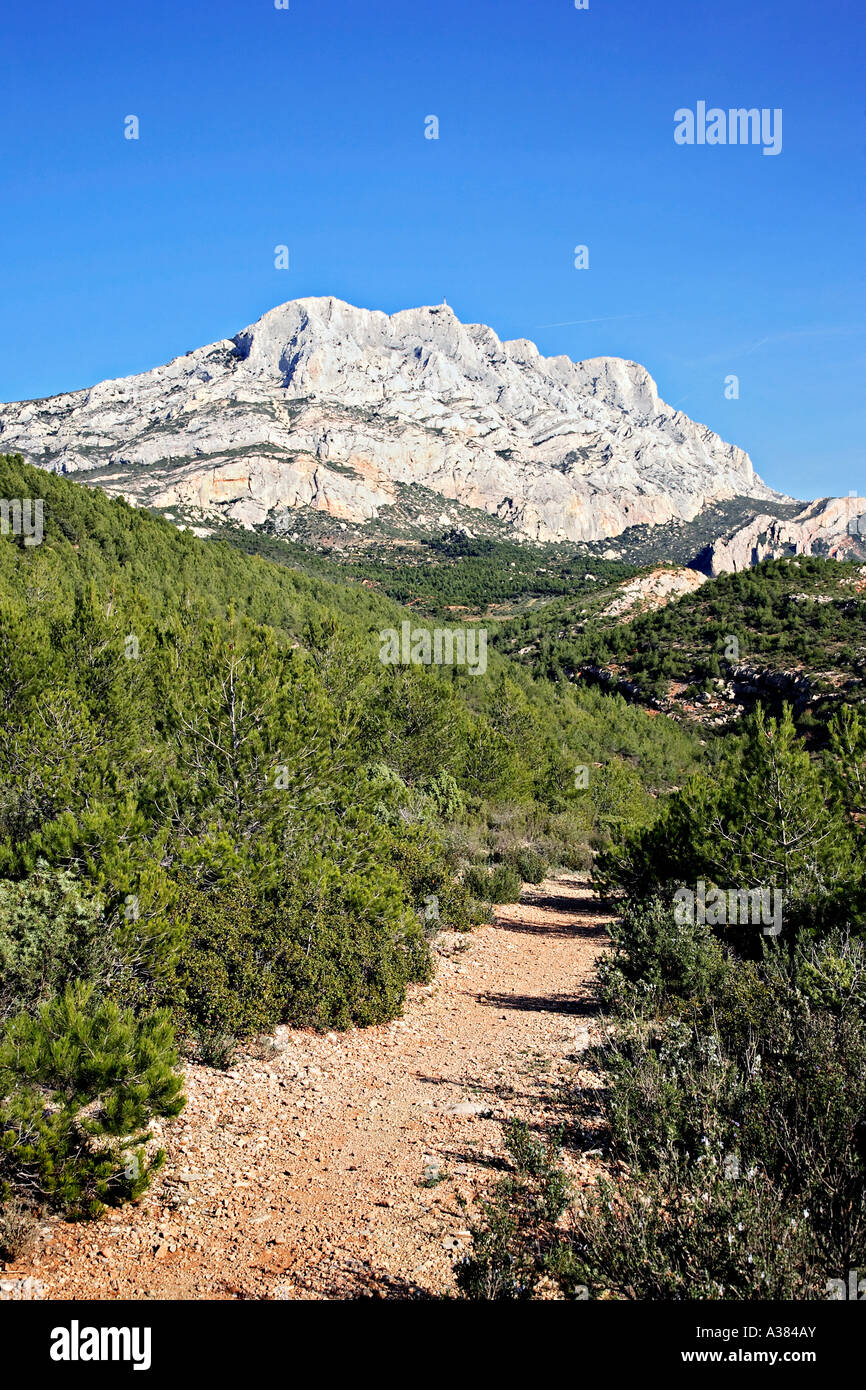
<point>323,406</point>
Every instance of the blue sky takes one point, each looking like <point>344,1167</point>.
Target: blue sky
<point>305,127</point>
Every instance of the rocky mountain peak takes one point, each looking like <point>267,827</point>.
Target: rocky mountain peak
<point>352,411</point>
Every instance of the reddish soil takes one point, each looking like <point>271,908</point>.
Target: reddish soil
<point>347,1165</point>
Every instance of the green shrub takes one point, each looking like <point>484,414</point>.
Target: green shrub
<point>528,864</point>
<point>79,1084</point>
<point>703,1230</point>
<point>330,952</point>
<point>428,873</point>
<point>769,816</point>
<point>618,799</point>
<point>669,1093</point>
<point>505,884</point>
<point>517,1224</point>
<point>654,957</point>
<point>499,884</point>
<point>698,1233</point>
<point>832,973</point>
<point>51,931</point>
<point>216,1048</point>
<point>775,1083</point>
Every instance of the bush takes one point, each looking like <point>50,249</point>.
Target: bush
<point>505,884</point>
<point>700,1233</point>
<point>517,1225</point>
<point>777,1085</point>
<point>769,816</point>
<point>530,865</point>
<point>832,973</point>
<point>79,1085</point>
<point>500,884</point>
<point>619,800</point>
<point>216,1048</point>
<point>51,931</point>
<point>427,871</point>
<point>655,957</point>
<point>327,954</point>
<point>18,1228</point>
<point>669,1094</point>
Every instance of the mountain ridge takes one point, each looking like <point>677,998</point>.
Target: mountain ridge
<point>322,405</point>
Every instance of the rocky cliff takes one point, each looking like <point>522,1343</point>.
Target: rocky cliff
<point>833,526</point>
<point>321,405</point>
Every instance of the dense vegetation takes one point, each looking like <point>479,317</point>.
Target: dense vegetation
<point>437,574</point>
<point>731,1082</point>
<point>804,615</point>
<point>220,811</point>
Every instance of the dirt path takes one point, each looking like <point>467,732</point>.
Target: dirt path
<point>338,1166</point>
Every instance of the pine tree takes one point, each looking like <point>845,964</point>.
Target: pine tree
<point>777,825</point>
<point>79,1084</point>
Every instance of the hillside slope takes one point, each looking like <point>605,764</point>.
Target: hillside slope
<point>792,629</point>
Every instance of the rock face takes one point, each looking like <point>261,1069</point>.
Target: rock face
<point>323,405</point>
<point>833,526</point>
<point>655,590</point>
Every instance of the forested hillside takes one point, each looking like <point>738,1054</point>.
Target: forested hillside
<point>224,808</point>
<point>787,629</point>
<point>221,810</point>
<point>441,573</point>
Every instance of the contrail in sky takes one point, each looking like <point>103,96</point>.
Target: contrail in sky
<point>568,323</point>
